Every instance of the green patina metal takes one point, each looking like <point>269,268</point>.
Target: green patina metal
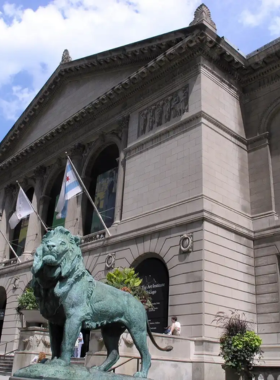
<point>54,371</point>
<point>70,299</point>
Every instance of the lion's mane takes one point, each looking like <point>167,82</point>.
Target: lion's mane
<point>51,281</point>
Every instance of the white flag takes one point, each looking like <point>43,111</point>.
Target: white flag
<point>23,209</point>
<point>70,187</point>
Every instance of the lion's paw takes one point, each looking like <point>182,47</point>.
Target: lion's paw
<point>140,374</point>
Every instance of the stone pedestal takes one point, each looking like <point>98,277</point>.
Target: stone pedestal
<point>72,372</point>
<point>190,359</point>
<point>32,340</point>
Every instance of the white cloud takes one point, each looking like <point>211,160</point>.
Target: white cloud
<point>262,10</point>
<point>31,38</point>
<point>20,98</point>
<point>275,27</point>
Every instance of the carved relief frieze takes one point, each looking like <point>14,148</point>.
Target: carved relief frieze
<point>263,81</point>
<point>163,111</point>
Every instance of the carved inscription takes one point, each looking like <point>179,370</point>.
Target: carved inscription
<point>166,109</point>
<point>270,79</point>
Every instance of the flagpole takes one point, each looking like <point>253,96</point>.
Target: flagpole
<point>88,195</point>
<point>12,249</point>
<point>43,224</point>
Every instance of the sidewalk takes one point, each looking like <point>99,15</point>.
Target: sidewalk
<point>4,377</point>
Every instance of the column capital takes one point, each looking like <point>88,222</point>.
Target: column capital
<point>39,172</point>
<point>11,190</point>
<point>124,122</point>
<point>44,199</point>
<point>77,150</point>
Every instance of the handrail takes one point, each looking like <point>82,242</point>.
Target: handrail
<point>11,341</point>
<point>123,363</point>
<point>1,344</point>
<point>10,352</point>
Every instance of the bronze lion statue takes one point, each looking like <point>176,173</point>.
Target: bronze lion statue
<point>70,299</point>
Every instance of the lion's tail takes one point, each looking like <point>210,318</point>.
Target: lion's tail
<point>167,348</point>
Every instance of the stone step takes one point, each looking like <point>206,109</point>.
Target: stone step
<point>6,365</point>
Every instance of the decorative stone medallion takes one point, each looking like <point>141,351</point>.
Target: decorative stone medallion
<point>186,243</point>
<point>110,261</point>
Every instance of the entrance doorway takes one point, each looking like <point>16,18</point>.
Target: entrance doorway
<point>155,278</point>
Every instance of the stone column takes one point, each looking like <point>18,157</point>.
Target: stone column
<point>10,192</point>
<point>124,123</point>
<point>34,230</point>
<point>74,210</point>
<point>43,209</point>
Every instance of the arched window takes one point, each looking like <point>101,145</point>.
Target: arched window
<point>20,231</point>
<point>156,282</point>
<point>3,302</point>
<point>51,221</point>
<point>102,189</point>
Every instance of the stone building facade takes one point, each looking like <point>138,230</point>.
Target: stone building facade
<point>187,126</point>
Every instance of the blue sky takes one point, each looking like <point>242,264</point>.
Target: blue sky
<point>34,33</point>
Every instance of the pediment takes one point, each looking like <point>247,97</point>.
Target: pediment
<point>71,97</point>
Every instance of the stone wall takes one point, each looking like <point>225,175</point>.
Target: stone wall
<point>229,276</point>
<point>267,289</point>
<point>185,269</point>
<point>14,279</point>
<point>168,173</point>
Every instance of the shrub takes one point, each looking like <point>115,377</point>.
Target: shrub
<point>240,346</point>
<point>27,300</point>
<point>128,281</point>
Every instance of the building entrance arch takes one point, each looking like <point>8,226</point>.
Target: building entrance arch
<point>3,303</point>
<point>155,278</point>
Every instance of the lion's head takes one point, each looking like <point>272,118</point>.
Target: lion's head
<point>58,254</point>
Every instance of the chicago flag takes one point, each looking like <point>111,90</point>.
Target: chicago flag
<point>70,187</point>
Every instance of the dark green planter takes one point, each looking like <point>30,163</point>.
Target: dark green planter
<point>232,375</point>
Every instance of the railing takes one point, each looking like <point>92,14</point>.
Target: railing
<point>9,262</point>
<point>93,237</point>
<point>113,369</point>
<point>266,373</point>
<point>6,343</point>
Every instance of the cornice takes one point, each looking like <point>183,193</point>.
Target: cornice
<point>91,64</point>
<point>185,44</point>
<point>108,98</point>
<point>196,37</point>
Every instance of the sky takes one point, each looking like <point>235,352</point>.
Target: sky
<point>34,33</point>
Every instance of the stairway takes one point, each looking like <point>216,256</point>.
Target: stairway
<point>6,365</point>
<point>79,361</point>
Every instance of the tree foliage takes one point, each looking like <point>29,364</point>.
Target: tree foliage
<point>127,280</point>
<point>240,346</point>
<point>27,300</point>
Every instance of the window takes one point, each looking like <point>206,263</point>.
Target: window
<point>20,231</point>
<point>103,187</point>
<point>54,195</point>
